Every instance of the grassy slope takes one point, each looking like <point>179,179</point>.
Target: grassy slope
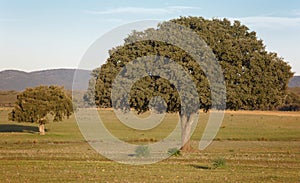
<point>256,148</point>
<point>7,97</point>
<point>295,90</point>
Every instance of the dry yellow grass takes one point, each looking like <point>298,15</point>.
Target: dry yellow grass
<point>270,113</point>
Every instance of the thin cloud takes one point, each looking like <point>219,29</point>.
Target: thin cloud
<point>137,10</point>
<point>9,20</point>
<point>296,12</point>
<point>270,21</point>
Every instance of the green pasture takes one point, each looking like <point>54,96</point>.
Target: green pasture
<point>255,148</point>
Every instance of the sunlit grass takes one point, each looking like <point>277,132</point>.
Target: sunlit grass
<point>256,148</point>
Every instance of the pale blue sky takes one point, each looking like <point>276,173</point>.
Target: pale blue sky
<point>37,35</point>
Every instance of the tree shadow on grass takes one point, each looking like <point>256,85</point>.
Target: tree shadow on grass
<point>201,167</point>
<point>6,128</point>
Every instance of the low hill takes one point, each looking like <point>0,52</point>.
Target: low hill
<point>295,82</point>
<point>19,80</point>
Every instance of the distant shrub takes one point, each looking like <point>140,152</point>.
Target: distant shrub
<point>290,107</point>
<point>291,103</point>
<point>174,152</point>
<point>142,151</point>
<point>219,162</point>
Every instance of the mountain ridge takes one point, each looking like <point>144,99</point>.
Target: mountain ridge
<point>19,80</point>
<point>294,82</point>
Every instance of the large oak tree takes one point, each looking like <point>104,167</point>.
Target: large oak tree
<point>255,79</point>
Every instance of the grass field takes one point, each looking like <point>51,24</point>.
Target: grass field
<point>295,90</point>
<point>255,146</point>
<point>8,98</point>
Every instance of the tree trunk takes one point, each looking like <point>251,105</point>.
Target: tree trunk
<point>186,124</point>
<point>42,129</point>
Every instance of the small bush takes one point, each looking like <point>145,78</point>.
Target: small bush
<point>142,151</point>
<point>219,162</point>
<point>174,152</point>
<point>290,107</point>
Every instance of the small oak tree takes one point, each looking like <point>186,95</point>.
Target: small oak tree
<point>35,104</point>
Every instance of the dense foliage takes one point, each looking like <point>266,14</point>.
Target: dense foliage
<point>255,79</point>
<point>34,104</point>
